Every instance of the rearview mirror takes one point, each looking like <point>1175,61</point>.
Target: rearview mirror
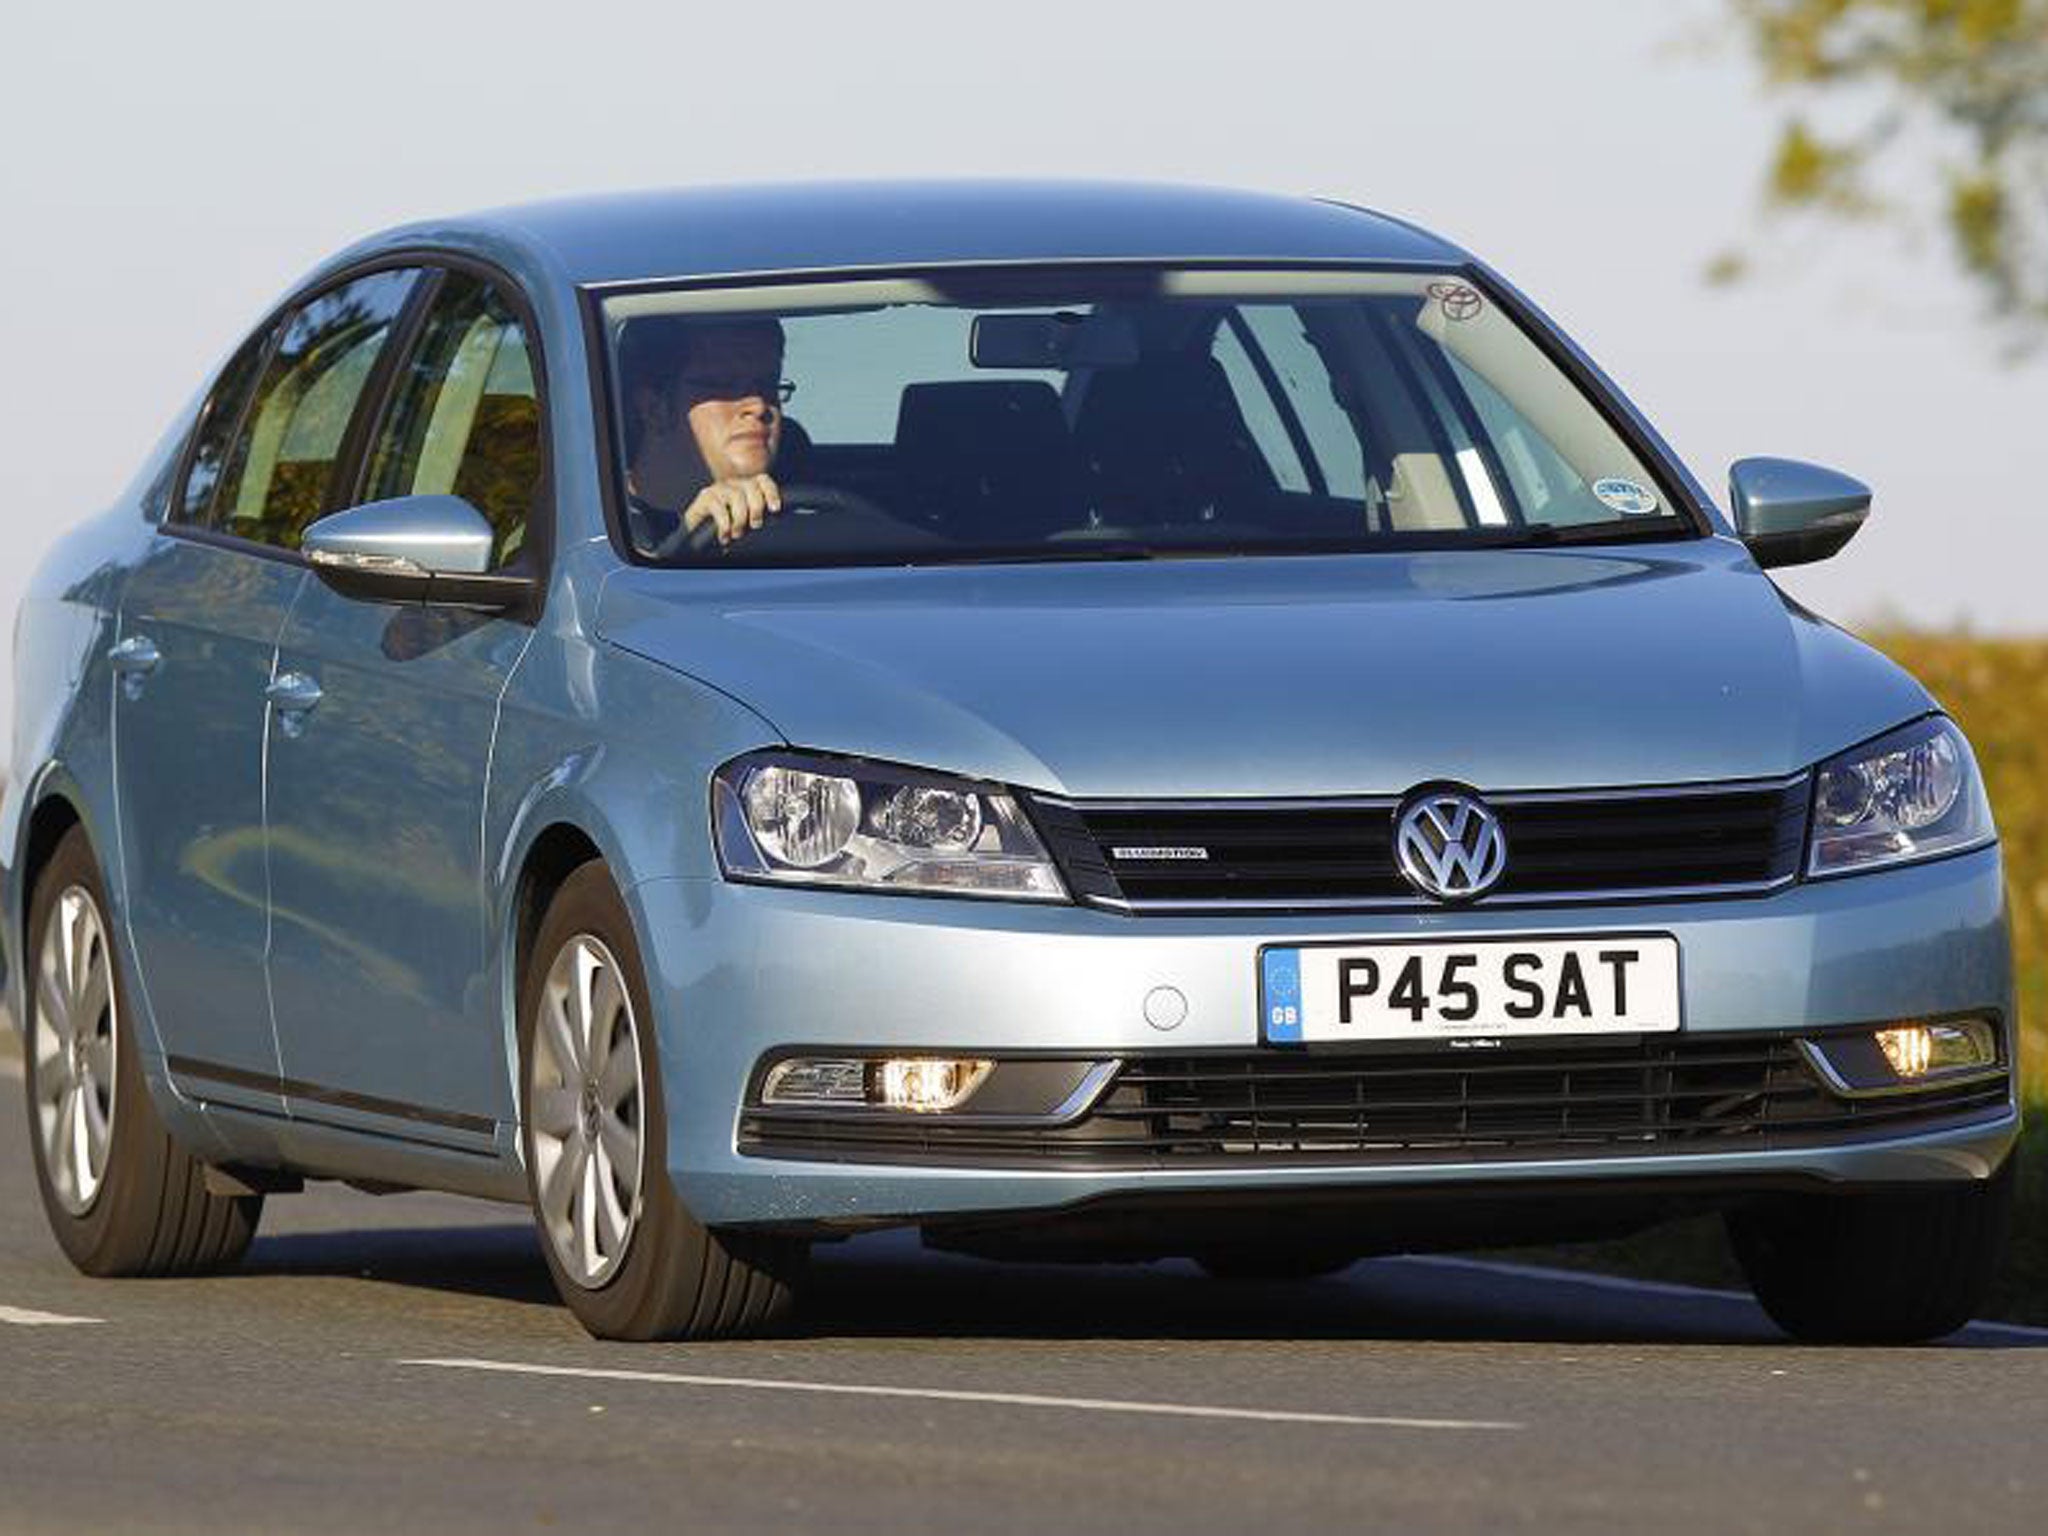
<point>413,549</point>
<point>1062,339</point>
<point>1790,513</point>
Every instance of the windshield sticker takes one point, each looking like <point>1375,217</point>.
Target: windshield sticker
<point>1456,300</point>
<point>1625,496</point>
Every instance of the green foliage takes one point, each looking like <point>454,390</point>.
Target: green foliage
<point>1970,74</point>
<point>1978,214</point>
<point>1808,171</point>
<point>2020,1293</point>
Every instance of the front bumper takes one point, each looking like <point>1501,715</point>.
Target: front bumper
<point>737,972</point>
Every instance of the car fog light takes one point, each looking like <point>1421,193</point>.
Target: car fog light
<point>1925,1050</point>
<point>807,1080</point>
<point>929,1084</point>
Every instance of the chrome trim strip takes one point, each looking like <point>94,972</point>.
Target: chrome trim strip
<point>1086,1092</point>
<point>192,1071</point>
<point>1251,803</point>
<point>1956,1077</point>
<point>1655,791</point>
<point>1073,1107</point>
<point>1367,904</point>
<point>1389,802</point>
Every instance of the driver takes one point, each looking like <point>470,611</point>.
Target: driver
<point>705,417</point>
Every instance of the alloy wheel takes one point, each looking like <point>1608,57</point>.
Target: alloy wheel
<point>586,1105</point>
<point>75,1037</point>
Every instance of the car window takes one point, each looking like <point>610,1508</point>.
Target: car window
<point>839,356</point>
<point>217,423</point>
<point>465,415</point>
<point>1541,478</point>
<point>276,476</point>
<point>1118,415</point>
<point>1261,410</point>
<point>1304,378</point>
<point>1467,456</point>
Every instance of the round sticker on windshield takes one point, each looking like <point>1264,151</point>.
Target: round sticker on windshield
<point>1625,496</point>
<point>1456,300</point>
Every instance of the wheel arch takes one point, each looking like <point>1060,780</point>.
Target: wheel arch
<point>55,814</point>
<point>553,844</point>
<point>55,807</point>
<point>557,851</point>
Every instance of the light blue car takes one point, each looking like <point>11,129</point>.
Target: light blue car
<point>1097,722</point>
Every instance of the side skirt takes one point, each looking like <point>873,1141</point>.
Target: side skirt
<point>331,1133</point>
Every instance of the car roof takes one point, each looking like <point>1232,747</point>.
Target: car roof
<point>634,237</point>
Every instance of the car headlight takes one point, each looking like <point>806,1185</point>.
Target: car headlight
<point>1913,794</point>
<point>794,819</point>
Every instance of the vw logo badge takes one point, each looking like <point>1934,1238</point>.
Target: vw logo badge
<point>1449,845</point>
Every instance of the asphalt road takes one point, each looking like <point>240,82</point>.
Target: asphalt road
<point>400,1365</point>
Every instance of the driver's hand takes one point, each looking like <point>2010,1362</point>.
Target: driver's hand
<point>734,507</point>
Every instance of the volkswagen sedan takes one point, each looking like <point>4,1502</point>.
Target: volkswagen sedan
<point>1095,722</point>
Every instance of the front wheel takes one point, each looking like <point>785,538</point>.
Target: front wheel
<point>1892,1268</point>
<point>122,1197</point>
<point>628,1258</point>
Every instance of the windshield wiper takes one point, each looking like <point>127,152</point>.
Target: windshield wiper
<point>1618,531</point>
<point>1047,554</point>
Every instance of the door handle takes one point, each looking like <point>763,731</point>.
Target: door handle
<point>293,693</point>
<point>133,660</point>
<point>136,656</point>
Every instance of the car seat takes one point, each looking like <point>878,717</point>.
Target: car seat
<point>989,460</point>
<point>1163,442</point>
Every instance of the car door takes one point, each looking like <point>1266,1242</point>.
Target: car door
<point>200,620</point>
<point>386,1017</point>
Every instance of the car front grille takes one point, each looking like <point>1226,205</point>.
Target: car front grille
<point>1713,1093</point>
<point>1280,855</point>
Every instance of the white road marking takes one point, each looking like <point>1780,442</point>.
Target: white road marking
<point>940,1394</point>
<point>1650,1287</point>
<point>24,1317</point>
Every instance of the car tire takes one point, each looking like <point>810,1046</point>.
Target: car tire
<point>1278,1265</point>
<point>1893,1268</point>
<point>122,1197</point>
<point>628,1258</point>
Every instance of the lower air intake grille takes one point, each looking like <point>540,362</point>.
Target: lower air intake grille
<point>1705,1094</point>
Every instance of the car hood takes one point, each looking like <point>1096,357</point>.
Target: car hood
<point>1502,669</point>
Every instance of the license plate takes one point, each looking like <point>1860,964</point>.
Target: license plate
<point>1449,989</point>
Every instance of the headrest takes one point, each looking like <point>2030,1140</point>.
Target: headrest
<point>989,459</point>
<point>999,415</point>
<point>1165,442</point>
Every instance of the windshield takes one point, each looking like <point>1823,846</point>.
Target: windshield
<point>1106,413</point>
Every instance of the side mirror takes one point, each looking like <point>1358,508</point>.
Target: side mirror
<point>1790,513</point>
<point>413,549</point>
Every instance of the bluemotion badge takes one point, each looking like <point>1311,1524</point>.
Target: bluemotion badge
<point>1625,496</point>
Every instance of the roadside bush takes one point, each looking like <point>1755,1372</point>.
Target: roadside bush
<point>1997,690</point>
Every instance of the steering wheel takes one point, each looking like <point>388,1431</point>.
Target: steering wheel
<point>844,512</point>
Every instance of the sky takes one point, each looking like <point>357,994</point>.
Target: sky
<point>169,170</point>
